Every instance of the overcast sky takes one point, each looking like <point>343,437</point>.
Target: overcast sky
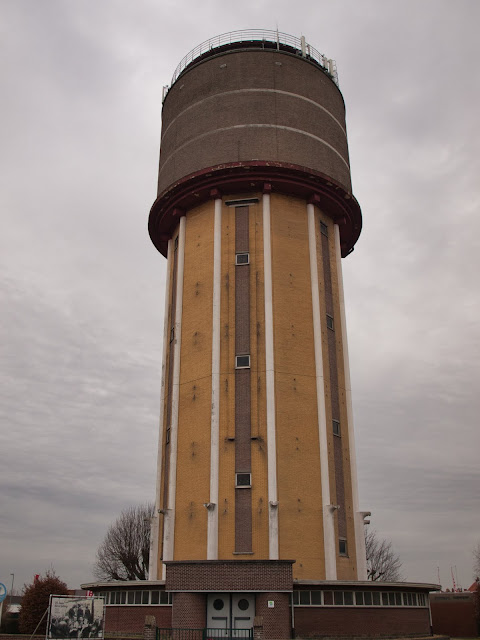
<point>82,287</point>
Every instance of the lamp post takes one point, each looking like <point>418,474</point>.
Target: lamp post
<point>11,590</point>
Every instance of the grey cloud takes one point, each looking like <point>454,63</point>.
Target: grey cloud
<point>82,287</point>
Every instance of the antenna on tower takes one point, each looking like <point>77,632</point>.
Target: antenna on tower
<point>303,44</point>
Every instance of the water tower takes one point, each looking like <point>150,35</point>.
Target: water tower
<point>257,523</point>
<point>255,211</point>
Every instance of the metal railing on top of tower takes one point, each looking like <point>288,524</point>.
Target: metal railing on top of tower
<point>259,36</point>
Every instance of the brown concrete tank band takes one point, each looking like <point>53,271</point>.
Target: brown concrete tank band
<point>250,176</point>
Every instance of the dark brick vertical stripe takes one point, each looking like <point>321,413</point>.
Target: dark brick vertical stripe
<point>243,497</point>
<point>242,421</point>
<point>171,337</point>
<point>243,520</point>
<point>242,309</point>
<point>242,284</point>
<point>241,229</point>
<point>334,391</point>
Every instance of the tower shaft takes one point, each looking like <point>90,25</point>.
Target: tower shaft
<point>254,213</point>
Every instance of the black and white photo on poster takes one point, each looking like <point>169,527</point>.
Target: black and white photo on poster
<point>75,617</point>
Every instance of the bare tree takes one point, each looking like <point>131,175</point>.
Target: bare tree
<point>125,550</point>
<point>382,562</point>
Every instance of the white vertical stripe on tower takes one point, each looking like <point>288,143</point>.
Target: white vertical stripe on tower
<point>154,531</point>
<point>169,517</point>
<point>212,526</point>
<point>270,386</point>
<point>328,523</point>
<point>358,517</point>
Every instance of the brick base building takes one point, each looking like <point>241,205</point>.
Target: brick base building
<point>263,595</point>
<point>455,614</point>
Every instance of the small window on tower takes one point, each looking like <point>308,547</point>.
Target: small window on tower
<point>242,258</point>
<point>324,229</point>
<point>329,322</point>
<point>342,547</point>
<point>242,362</point>
<point>241,203</point>
<point>243,480</point>
<point>336,427</point>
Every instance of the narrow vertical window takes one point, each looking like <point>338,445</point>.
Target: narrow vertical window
<point>336,427</point>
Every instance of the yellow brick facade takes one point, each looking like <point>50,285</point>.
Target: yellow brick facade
<point>297,432</point>
<point>298,468</point>
<point>346,566</point>
<point>193,460</point>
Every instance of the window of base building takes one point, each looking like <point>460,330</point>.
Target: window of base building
<point>137,597</point>
<point>340,598</point>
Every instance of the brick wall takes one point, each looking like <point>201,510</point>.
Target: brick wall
<point>344,621</point>
<point>229,575</point>
<point>454,615</point>
<point>189,611</point>
<point>124,619</point>
<point>276,620</point>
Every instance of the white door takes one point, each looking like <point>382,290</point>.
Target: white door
<point>218,611</point>
<point>230,611</point>
<point>243,610</point>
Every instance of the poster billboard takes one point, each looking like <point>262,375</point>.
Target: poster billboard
<point>75,617</point>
